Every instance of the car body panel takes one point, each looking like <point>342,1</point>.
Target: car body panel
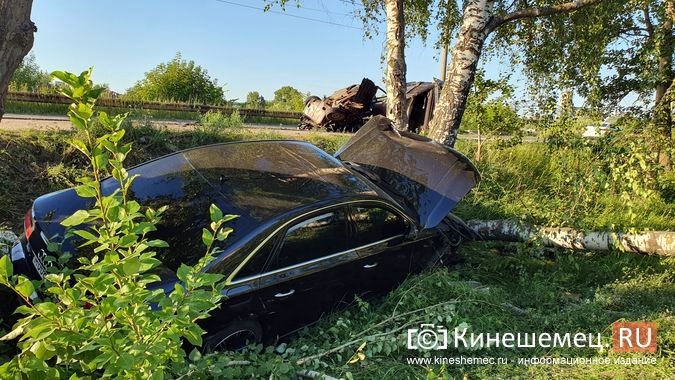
<point>430,177</point>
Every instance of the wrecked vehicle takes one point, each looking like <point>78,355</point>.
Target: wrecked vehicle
<point>349,108</point>
<point>313,230</point>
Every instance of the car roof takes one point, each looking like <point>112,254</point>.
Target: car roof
<point>257,180</point>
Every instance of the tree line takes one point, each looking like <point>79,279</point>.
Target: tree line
<point>177,80</point>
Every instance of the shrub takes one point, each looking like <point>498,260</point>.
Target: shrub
<point>103,317</point>
<point>215,122</point>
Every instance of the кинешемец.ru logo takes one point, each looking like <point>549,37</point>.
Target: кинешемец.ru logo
<point>626,337</point>
<point>634,336</point>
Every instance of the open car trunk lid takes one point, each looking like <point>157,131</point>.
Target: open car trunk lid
<point>430,177</point>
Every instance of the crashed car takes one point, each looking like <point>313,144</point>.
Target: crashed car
<point>349,108</point>
<point>313,229</point>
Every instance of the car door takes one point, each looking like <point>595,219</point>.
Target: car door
<point>383,248</point>
<point>311,271</point>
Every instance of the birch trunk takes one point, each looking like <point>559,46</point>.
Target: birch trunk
<point>396,67</point>
<point>478,21</point>
<point>16,40</point>
<point>663,112</point>
<point>452,103</point>
<point>652,242</point>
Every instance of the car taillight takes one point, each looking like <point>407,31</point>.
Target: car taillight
<point>28,223</point>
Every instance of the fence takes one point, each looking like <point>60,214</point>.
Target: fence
<point>131,104</point>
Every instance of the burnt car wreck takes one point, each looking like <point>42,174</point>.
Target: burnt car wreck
<point>314,230</point>
<point>348,109</point>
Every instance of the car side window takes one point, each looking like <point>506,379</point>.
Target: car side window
<point>375,224</point>
<point>256,264</point>
<point>313,238</point>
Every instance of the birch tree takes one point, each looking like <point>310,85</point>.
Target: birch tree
<point>395,81</point>
<point>480,18</point>
<point>16,40</point>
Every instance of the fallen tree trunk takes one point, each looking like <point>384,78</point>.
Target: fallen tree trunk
<point>651,242</point>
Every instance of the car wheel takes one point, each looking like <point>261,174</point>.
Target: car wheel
<point>235,336</point>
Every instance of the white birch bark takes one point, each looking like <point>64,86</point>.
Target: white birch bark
<point>651,242</point>
<point>396,67</point>
<point>452,103</point>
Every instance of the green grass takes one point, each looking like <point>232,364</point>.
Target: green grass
<point>558,187</point>
<point>557,291</point>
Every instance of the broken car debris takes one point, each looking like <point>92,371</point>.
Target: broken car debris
<point>348,109</point>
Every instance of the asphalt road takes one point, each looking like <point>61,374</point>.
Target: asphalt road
<point>19,122</point>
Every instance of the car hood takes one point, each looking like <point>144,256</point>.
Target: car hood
<point>430,177</point>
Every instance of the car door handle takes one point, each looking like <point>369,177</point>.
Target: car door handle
<point>369,266</point>
<point>288,293</point>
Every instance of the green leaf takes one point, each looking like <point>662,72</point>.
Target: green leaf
<point>101,159</point>
<point>207,237</point>
<point>131,266</point>
<point>195,355</point>
<point>128,240</point>
<point>82,110</point>
<point>77,122</point>
<point>86,235</point>
<point>41,350</point>
<point>65,77</point>
<point>6,268</point>
<point>126,361</point>
<point>79,217</point>
<point>183,272</point>
<point>216,214</point>
<point>47,308</point>
<point>224,233</point>
<point>229,217</point>
<point>194,335</point>
<point>156,243</point>
<point>80,145</point>
<point>86,191</point>
<point>25,287</point>
<point>17,332</point>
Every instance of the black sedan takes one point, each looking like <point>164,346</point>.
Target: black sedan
<point>314,230</point>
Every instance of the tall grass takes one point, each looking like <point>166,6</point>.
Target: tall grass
<point>560,187</point>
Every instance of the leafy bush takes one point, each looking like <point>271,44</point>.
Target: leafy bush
<point>215,122</point>
<point>29,76</point>
<point>104,317</point>
<point>178,80</point>
<point>667,187</point>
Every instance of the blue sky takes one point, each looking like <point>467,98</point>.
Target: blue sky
<point>243,48</point>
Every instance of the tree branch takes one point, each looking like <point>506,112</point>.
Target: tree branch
<point>648,19</point>
<point>540,11</point>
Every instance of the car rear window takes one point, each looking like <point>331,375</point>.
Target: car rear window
<point>375,224</point>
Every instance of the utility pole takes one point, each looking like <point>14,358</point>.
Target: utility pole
<point>444,52</point>
<point>444,60</point>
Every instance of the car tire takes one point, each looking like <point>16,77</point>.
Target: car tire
<point>235,336</point>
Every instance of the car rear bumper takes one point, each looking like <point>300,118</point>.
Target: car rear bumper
<point>20,261</point>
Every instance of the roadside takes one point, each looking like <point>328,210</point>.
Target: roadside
<point>27,122</point>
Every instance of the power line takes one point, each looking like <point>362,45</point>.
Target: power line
<point>323,9</point>
<point>288,14</point>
